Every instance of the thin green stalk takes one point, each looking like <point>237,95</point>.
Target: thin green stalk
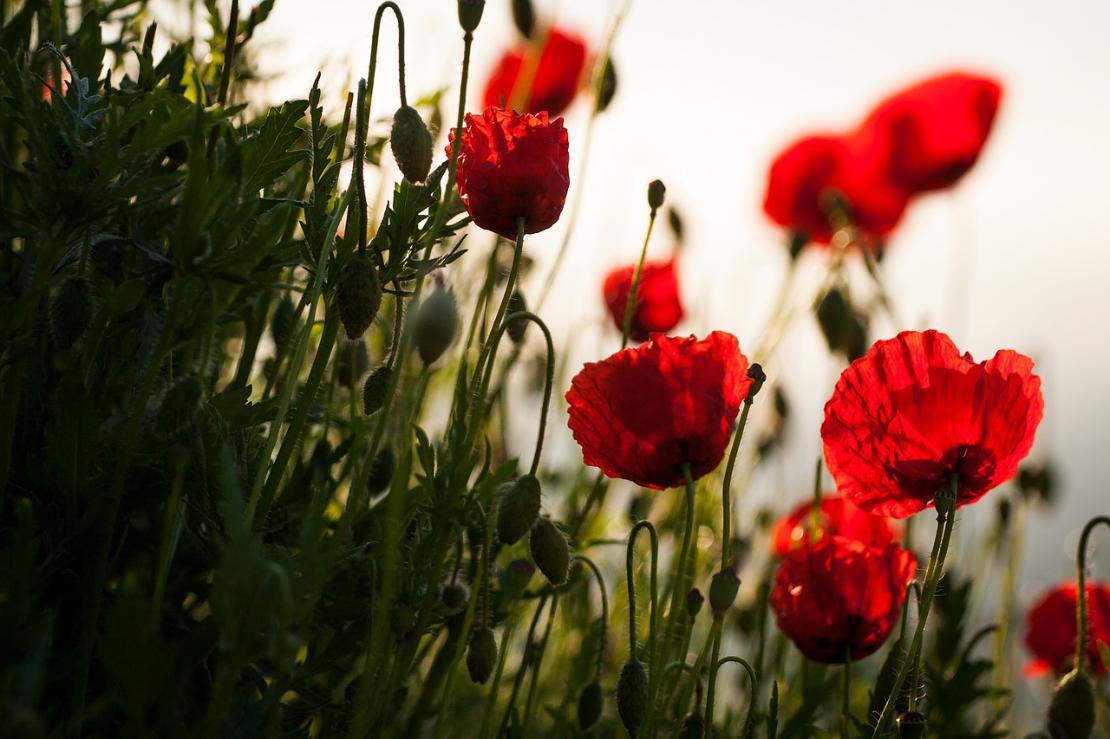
<point>1081,603</point>
<point>530,699</point>
<point>491,698</point>
<point>653,585</point>
<point>604,622</point>
<point>171,530</point>
<point>633,293</point>
<point>523,669</point>
<point>750,716</point>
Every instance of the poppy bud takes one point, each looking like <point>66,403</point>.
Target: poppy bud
<point>358,295</point>
<point>375,389</point>
<point>694,602</point>
<point>1071,715</point>
<point>381,471</point>
<point>632,695</point>
<point>912,725</point>
<point>845,330</point>
<point>550,551</point>
<point>524,17</point>
<point>454,597</point>
<point>722,591</point>
<point>470,14</point>
<point>351,363</point>
<point>437,320</point>
<point>282,322</point>
<point>481,653</point>
<point>758,377</point>
<point>71,311</point>
<point>657,192</point>
<point>178,408</point>
<point>518,508</point>
<point>692,726</point>
<point>1037,482</point>
<point>411,144</point>
<point>516,329</point>
<point>589,705</point>
<point>608,87</point>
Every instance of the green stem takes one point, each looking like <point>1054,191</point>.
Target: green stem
<point>726,485</point>
<point>171,530</point>
<point>631,581</point>
<point>523,669</point>
<point>604,610</point>
<point>1081,603</point>
<point>750,716</point>
<point>630,304</point>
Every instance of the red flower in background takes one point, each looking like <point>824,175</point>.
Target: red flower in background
<point>935,129</point>
<point>513,166</point>
<point>644,412</point>
<point>805,175</point>
<point>840,597</point>
<point>838,517</point>
<point>1050,630</point>
<point>913,411</point>
<point>658,306</point>
<point>555,81</point>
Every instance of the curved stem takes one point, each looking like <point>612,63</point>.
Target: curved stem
<point>630,304</point>
<point>358,176</point>
<point>400,49</point>
<point>751,705</point>
<point>604,609</point>
<point>1081,602</point>
<point>641,525</point>
<point>726,485</point>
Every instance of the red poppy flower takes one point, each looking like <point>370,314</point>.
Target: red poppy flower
<point>1050,630</point>
<point>644,412</point>
<point>913,411</point>
<point>838,517</point>
<point>658,307</point>
<point>936,129</point>
<point>513,166</point>
<point>558,72</point>
<point>807,173</point>
<point>840,597</point>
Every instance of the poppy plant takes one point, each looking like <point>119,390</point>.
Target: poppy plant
<point>914,415</point>
<point>1050,629</point>
<point>556,75</point>
<point>645,413</point>
<point>839,599</point>
<point>658,306</point>
<point>513,166</point>
<point>837,517</point>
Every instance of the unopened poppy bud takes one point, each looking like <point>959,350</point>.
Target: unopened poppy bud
<point>516,576</point>
<point>632,695</point>
<point>912,725</point>
<point>758,377</point>
<point>411,144</point>
<point>1071,715</point>
<point>516,329</point>
<point>454,597</point>
<point>657,192</point>
<point>694,602</point>
<point>589,705</point>
<point>375,389</point>
<point>71,311</point>
<point>282,322</point>
<point>1037,482</point>
<point>481,654</point>
<point>358,295</point>
<point>524,17</point>
<point>722,591</point>
<point>844,329</point>
<point>608,87</point>
<point>381,471</point>
<point>518,508</point>
<point>693,726</point>
<point>470,14</point>
<point>550,551</point>
<point>178,408</point>
<point>437,320</point>
<point>351,363</point>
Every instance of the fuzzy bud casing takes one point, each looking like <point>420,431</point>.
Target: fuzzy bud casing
<point>481,654</point>
<point>436,322</point>
<point>656,194</point>
<point>358,295</point>
<point>516,329</point>
<point>283,322</point>
<point>1071,714</point>
<point>694,602</point>
<point>411,144</point>
<point>550,551</point>
<point>722,591</point>
<point>912,725</point>
<point>632,695</point>
<point>453,597</point>
<point>375,389</point>
<point>518,508</point>
<point>381,471</point>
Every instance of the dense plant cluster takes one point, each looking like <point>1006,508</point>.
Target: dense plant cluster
<point>256,466</point>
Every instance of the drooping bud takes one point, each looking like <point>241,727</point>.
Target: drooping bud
<point>693,726</point>
<point>381,471</point>
<point>722,591</point>
<point>453,597</point>
<point>608,87</point>
<point>657,192</point>
<point>516,576</point>
<point>518,508</point>
<point>758,377</point>
<point>351,363</point>
<point>282,322</point>
<point>178,408</point>
<point>694,601</point>
<point>589,705</point>
<point>912,725</point>
<point>1071,714</point>
<point>481,654</point>
<point>411,144</point>
<point>632,695</point>
<point>516,329</point>
<point>845,329</point>
<point>470,14</point>
<point>71,311</point>
<point>550,551</point>
<point>437,320</point>
<point>376,388</point>
<point>524,17</point>
<point>358,295</point>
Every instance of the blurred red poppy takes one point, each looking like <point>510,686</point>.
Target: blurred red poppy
<point>643,413</point>
<point>658,306</point>
<point>555,81</point>
<point>837,517</point>
<point>1050,630</point>
<point>513,166</point>
<point>913,411</point>
<point>806,175</point>
<point>841,598</point>
<point>935,129</point>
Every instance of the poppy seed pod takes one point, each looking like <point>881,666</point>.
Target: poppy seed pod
<point>436,322</point>
<point>516,329</point>
<point>912,725</point>
<point>518,508</point>
<point>722,591</point>
<point>283,321</point>
<point>470,14</point>
<point>1071,715</point>
<point>632,695</point>
<point>589,705</point>
<point>481,654</point>
<point>358,295</point>
<point>375,389</point>
<point>411,144</point>
<point>381,471</point>
<point>657,193</point>
<point>454,597</point>
<point>550,551</point>
<point>693,726</point>
<point>694,602</point>
<point>71,311</point>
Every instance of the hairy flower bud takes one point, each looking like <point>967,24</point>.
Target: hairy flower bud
<point>657,192</point>
<point>481,654</point>
<point>589,705</point>
<point>516,329</point>
<point>71,311</point>
<point>912,725</point>
<point>550,551</point>
<point>470,14</point>
<point>722,591</point>
<point>358,295</point>
<point>1071,715</point>
<point>632,695</point>
<point>518,508</point>
<point>375,389</point>
<point>758,377</point>
<point>453,597</point>
<point>381,471</point>
<point>283,322</point>
<point>411,144</point>
<point>694,601</point>
<point>436,322</point>
<point>608,87</point>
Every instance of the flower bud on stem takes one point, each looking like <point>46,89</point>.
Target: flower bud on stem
<point>655,199</point>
